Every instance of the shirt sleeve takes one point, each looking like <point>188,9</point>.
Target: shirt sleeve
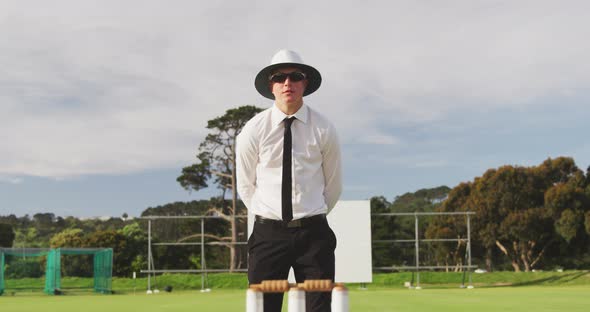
<point>246,161</point>
<point>332,167</point>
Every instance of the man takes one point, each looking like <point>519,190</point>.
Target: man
<point>289,175</point>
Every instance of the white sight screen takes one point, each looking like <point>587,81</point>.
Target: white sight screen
<point>351,222</point>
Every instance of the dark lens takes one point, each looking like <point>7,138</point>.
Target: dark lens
<point>280,77</point>
<point>296,76</point>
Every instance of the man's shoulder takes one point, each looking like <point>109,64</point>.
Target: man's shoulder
<point>255,122</point>
<point>318,119</point>
<point>258,118</point>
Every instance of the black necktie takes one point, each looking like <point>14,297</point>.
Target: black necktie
<point>286,200</point>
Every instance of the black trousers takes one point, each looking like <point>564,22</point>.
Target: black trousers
<point>309,250</point>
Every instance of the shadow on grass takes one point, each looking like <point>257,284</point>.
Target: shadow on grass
<point>561,279</point>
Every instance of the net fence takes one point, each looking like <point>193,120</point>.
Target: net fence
<point>27,262</point>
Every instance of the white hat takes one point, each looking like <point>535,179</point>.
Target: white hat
<point>287,58</point>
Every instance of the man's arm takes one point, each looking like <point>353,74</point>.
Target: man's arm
<point>332,167</point>
<point>246,161</point>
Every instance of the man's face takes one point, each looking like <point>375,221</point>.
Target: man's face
<point>288,92</point>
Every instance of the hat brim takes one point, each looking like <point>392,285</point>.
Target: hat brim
<point>314,79</point>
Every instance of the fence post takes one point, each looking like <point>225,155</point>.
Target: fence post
<point>469,249</point>
<point>417,244</point>
<point>149,254</point>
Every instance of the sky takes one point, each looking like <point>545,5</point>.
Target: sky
<point>102,103</point>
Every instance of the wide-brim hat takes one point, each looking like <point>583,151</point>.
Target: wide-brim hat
<point>287,58</point>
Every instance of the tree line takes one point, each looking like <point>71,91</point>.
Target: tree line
<point>45,230</point>
<point>529,218</point>
<point>526,218</point>
<point>127,236</point>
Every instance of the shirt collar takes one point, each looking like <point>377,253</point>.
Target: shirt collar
<point>278,116</point>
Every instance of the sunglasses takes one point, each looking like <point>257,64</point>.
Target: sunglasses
<point>281,77</point>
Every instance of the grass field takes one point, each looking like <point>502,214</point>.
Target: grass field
<point>534,298</point>
<point>503,291</point>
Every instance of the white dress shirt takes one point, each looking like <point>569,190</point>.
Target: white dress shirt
<point>316,164</point>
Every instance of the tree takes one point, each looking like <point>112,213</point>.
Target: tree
<point>122,258</point>
<point>382,228</point>
<point>72,266</point>
<point>524,211</point>
<point>28,237</point>
<point>216,159</point>
<point>423,200</point>
<point>6,235</point>
<point>70,238</point>
<point>44,219</point>
<point>136,246</point>
<point>519,198</point>
<point>567,203</point>
<point>587,192</point>
<point>400,227</point>
<point>451,227</point>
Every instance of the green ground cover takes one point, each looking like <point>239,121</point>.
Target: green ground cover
<point>380,280</point>
<point>498,291</point>
<point>532,298</point>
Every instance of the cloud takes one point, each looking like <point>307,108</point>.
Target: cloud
<point>113,87</point>
<point>379,139</point>
<point>10,180</point>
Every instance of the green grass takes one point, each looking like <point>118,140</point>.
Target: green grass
<point>498,291</point>
<point>380,280</point>
<point>495,279</point>
<point>533,298</point>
